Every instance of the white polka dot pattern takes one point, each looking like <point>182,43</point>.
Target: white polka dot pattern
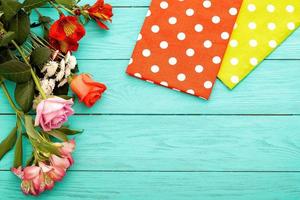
<point>182,44</point>
<point>261,27</point>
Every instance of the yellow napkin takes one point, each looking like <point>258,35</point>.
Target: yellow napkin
<point>261,26</point>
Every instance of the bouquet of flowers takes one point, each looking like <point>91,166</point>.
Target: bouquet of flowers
<point>43,69</point>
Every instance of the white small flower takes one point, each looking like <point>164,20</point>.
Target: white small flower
<point>62,64</point>
<point>44,83</point>
<point>48,86</point>
<point>67,57</point>
<point>60,75</point>
<point>55,54</point>
<point>72,62</point>
<point>67,72</point>
<point>50,68</point>
<point>52,84</point>
<point>63,82</point>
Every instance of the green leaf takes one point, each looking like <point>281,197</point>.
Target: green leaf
<point>10,8</point>
<point>8,143</point>
<point>31,4</point>
<point>68,131</point>
<point>67,3</point>
<point>16,71</point>
<point>24,95</point>
<point>18,161</point>
<point>40,56</point>
<point>66,97</point>
<point>48,148</point>
<point>42,145</point>
<point>20,24</point>
<point>30,160</point>
<point>58,134</point>
<point>7,38</point>
<point>31,132</point>
<point>6,55</point>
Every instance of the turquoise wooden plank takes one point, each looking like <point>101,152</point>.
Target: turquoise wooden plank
<point>161,146</point>
<point>120,2</point>
<point>119,42</point>
<point>271,89</point>
<point>166,186</point>
<point>167,143</point>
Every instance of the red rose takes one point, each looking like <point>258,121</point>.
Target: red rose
<point>87,90</point>
<point>101,12</point>
<point>65,33</point>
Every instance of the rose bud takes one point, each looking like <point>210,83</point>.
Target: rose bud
<point>67,147</point>
<point>53,112</point>
<point>87,90</point>
<point>61,162</point>
<point>101,12</point>
<point>66,150</point>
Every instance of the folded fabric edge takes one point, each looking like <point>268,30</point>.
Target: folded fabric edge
<point>138,76</point>
<point>231,85</point>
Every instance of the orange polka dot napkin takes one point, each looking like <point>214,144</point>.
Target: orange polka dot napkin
<point>182,43</point>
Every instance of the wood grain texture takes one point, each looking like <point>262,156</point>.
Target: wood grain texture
<point>271,89</point>
<point>144,142</point>
<point>184,143</point>
<point>119,42</point>
<point>122,3</point>
<point>166,186</point>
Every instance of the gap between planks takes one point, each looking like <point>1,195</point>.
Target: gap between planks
<point>172,171</point>
<point>122,59</point>
<point>162,114</point>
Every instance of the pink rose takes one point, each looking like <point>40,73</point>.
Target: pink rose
<point>53,112</point>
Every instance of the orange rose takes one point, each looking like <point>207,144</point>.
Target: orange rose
<point>87,90</point>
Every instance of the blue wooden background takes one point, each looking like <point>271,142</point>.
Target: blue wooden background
<point>144,142</point>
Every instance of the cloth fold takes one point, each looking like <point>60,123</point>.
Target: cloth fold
<point>261,26</point>
<point>182,43</point>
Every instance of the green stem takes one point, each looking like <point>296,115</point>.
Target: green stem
<point>37,83</point>
<point>35,78</point>
<point>66,9</point>
<point>43,42</point>
<point>38,12</point>
<point>40,41</point>
<point>21,52</point>
<point>56,8</point>
<point>45,25</point>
